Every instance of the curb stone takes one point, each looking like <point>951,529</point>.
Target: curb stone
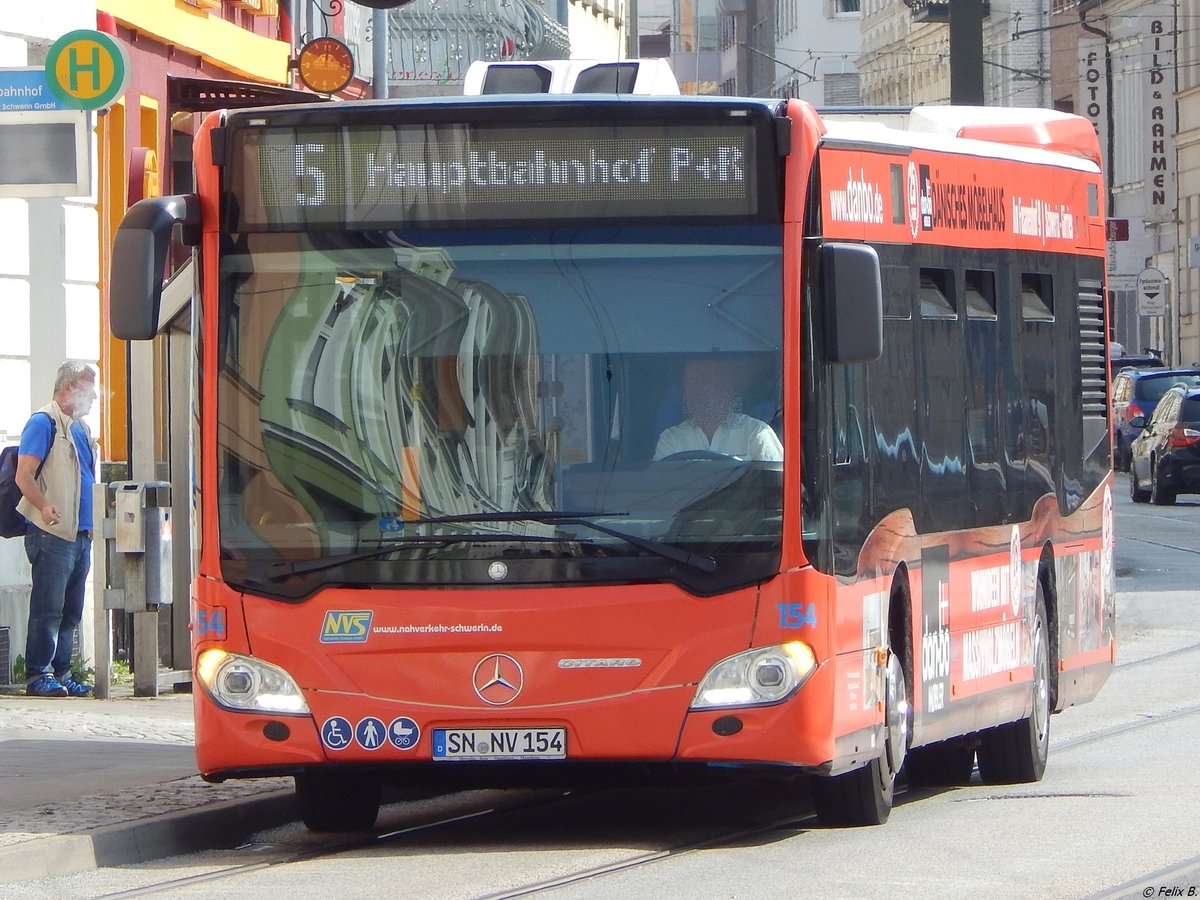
<point>222,824</point>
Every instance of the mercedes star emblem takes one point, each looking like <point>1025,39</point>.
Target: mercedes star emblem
<point>498,679</point>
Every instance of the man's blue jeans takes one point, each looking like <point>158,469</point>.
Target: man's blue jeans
<point>60,570</point>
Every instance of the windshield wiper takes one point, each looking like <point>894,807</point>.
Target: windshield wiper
<point>280,571</point>
<point>706,564</point>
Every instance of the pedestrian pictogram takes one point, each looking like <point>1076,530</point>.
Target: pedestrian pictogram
<point>370,733</point>
<point>87,69</point>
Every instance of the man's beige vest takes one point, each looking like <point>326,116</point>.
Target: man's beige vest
<point>60,478</point>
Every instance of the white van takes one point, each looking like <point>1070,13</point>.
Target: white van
<point>571,76</point>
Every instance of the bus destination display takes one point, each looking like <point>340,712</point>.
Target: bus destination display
<point>446,174</point>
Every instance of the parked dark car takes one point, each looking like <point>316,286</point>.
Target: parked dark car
<point>1165,457</point>
<point>1117,363</point>
<point>1135,393</point>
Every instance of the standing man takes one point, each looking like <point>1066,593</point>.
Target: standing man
<point>57,504</point>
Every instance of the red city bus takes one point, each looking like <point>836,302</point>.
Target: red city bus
<point>544,436</point>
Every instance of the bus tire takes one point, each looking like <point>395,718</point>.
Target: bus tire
<point>864,796</point>
<point>854,798</point>
<point>947,764</point>
<point>338,801</point>
<point>1017,752</point>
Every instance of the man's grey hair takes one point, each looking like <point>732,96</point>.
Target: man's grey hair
<point>70,372</point>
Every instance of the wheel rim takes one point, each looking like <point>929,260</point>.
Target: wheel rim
<point>897,717</point>
<point>1041,686</point>
<point>1160,495</point>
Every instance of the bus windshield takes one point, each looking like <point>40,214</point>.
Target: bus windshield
<point>565,402</point>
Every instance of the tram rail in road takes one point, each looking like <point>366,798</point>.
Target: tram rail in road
<point>677,823</point>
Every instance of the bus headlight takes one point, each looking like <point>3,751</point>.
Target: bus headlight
<point>756,677</point>
<point>246,684</point>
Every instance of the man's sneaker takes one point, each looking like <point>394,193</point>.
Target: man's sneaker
<point>46,686</point>
<point>76,688</point>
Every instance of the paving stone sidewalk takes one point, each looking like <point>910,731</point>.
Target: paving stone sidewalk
<point>83,767</point>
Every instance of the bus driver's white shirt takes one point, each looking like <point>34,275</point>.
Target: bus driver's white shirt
<point>742,436</point>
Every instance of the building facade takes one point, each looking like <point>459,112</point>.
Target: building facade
<point>54,265</point>
<point>1130,78</point>
<point>1184,262</point>
<point>789,49</point>
<point>817,56</point>
<point>906,53</point>
<point>433,42</point>
<point>49,292</point>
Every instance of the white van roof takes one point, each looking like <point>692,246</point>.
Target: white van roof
<point>571,76</point>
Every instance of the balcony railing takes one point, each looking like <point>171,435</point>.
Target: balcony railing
<point>434,41</point>
<point>936,10</point>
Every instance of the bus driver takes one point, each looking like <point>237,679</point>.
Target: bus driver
<point>712,420</point>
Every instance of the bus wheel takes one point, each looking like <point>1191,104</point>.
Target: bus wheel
<point>338,801</point>
<point>864,796</point>
<point>946,764</point>
<point>1017,752</point>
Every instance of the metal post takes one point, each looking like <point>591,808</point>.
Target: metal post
<point>142,458</point>
<point>966,52</point>
<point>1109,127</point>
<point>381,44</point>
<point>633,41</point>
<point>101,631</point>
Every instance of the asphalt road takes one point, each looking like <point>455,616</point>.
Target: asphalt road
<point>1117,814</point>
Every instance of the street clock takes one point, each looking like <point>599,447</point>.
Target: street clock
<point>326,65</point>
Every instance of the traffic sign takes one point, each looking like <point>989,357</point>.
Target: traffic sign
<point>87,69</point>
<point>1116,229</point>
<point>26,90</point>
<point>1152,293</point>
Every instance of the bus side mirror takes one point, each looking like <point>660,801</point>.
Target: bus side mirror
<point>853,303</point>
<point>139,257</point>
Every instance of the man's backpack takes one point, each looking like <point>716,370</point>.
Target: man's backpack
<point>12,523</point>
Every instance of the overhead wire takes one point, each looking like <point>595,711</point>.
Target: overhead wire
<point>1129,52</point>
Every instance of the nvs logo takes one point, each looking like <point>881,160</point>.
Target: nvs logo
<point>346,626</point>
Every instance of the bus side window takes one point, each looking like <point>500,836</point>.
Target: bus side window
<point>984,407</point>
<point>893,385</point>
<point>850,492</point>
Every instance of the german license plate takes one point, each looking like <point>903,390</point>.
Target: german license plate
<point>499,743</point>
